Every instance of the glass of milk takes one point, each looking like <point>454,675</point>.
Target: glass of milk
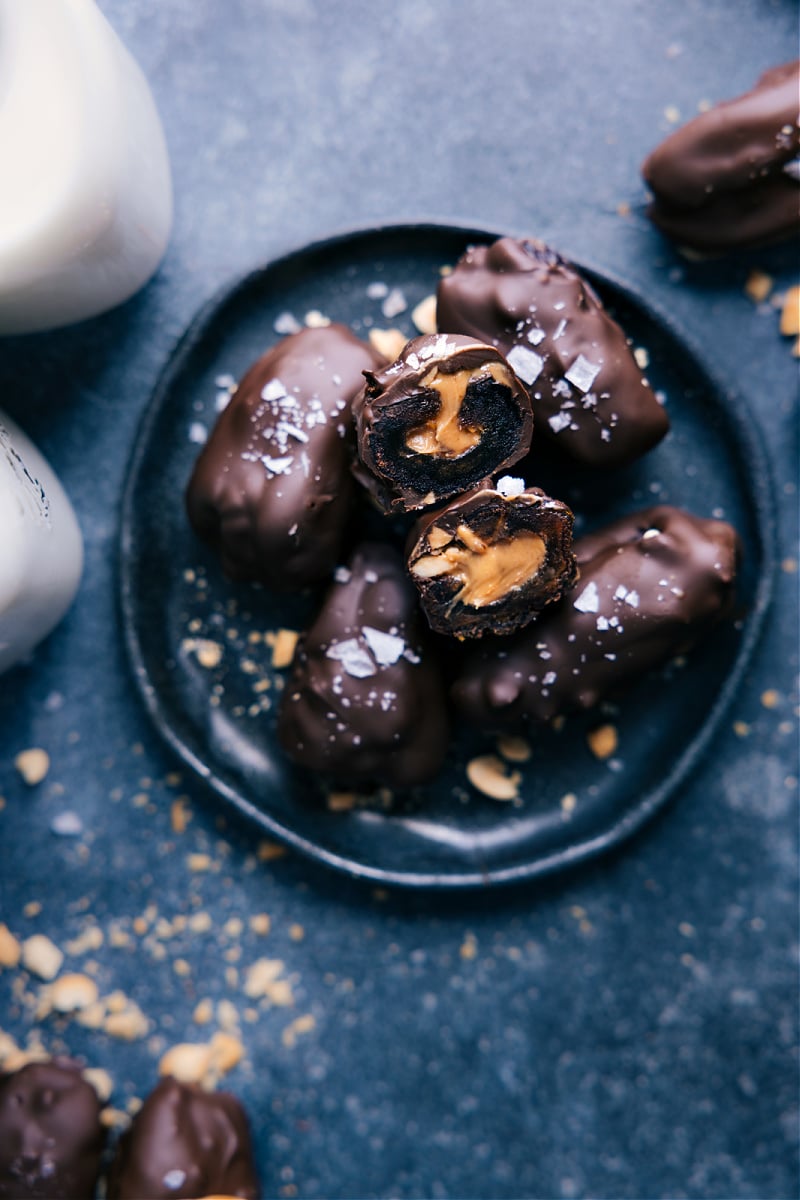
<point>86,195</point>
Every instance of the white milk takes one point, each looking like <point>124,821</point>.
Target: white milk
<point>41,549</point>
<point>85,190</point>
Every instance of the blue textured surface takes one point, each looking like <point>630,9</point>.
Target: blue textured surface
<point>628,1030</point>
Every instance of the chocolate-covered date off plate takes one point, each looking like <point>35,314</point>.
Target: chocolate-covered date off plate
<point>212,657</point>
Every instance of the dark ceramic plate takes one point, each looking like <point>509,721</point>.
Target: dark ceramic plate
<point>203,665</point>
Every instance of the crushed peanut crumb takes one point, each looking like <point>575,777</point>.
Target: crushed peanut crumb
<point>260,923</point>
<point>300,1025</point>
<point>424,315</point>
<point>32,765</point>
<point>41,956</point>
<point>388,342</point>
<point>514,749</point>
<point>180,815</point>
<point>758,285</point>
<point>72,992</point>
<point>10,949</point>
<point>603,741</point>
<point>488,774</point>
<point>469,947</point>
<point>100,1080</point>
<point>283,644</point>
<point>790,313</point>
<point>267,851</point>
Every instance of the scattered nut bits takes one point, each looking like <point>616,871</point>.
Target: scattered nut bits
<point>388,342</point>
<point>758,285</point>
<point>207,653</point>
<point>284,644</point>
<point>424,315</point>
<point>314,319</point>
<point>33,765</point>
<point>790,313</point>
<point>488,774</point>
<point>100,1080</point>
<point>72,992</point>
<point>603,740</point>
<point>262,979</point>
<point>201,1062</point>
<point>300,1025</point>
<point>41,956</point>
<point>514,749</point>
<point>10,949</point>
<point>189,1062</point>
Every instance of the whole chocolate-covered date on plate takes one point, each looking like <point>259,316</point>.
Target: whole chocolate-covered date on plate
<point>729,178</point>
<point>489,561</point>
<point>651,585</point>
<point>51,1137</point>
<point>366,702</point>
<point>588,394</point>
<point>271,490</point>
<point>448,413</point>
<point>185,1144</point>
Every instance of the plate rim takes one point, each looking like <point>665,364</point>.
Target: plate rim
<point>751,443</point>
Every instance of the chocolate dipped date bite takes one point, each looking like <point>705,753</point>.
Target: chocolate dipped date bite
<point>588,394</point>
<point>51,1137</point>
<point>446,414</point>
<point>651,585</point>
<point>185,1144</point>
<point>491,560</point>
<point>366,703</point>
<point>729,178</point>
<point>271,490</point>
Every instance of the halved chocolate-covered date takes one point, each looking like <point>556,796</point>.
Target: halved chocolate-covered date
<point>271,491</point>
<point>366,703</point>
<point>588,394</point>
<point>448,413</point>
<point>491,560</point>
<point>729,177</point>
<point>651,584</point>
<point>185,1142</point>
<point>51,1136</point>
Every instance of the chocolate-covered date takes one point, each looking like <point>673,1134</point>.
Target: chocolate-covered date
<point>366,702</point>
<point>184,1144</point>
<point>489,561</point>
<point>51,1137</point>
<point>448,413</point>
<point>271,491</point>
<point>651,584</point>
<point>588,393</point>
<point>729,177</point>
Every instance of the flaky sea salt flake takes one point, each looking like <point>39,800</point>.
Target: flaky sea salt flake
<point>386,647</point>
<point>510,486</point>
<point>589,599</point>
<point>353,657</point>
<point>582,373</point>
<point>525,363</point>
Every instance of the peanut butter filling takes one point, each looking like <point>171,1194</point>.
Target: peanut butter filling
<point>443,434</point>
<point>486,572</point>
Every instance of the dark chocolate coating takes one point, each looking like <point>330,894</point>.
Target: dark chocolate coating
<point>651,585</point>
<point>720,181</point>
<point>366,702</point>
<point>51,1138</point>
<point>184,1144</point>
<point>588,393</point>
<point>396,402</point>
<point>271,490</point>
<point>477,524</point>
